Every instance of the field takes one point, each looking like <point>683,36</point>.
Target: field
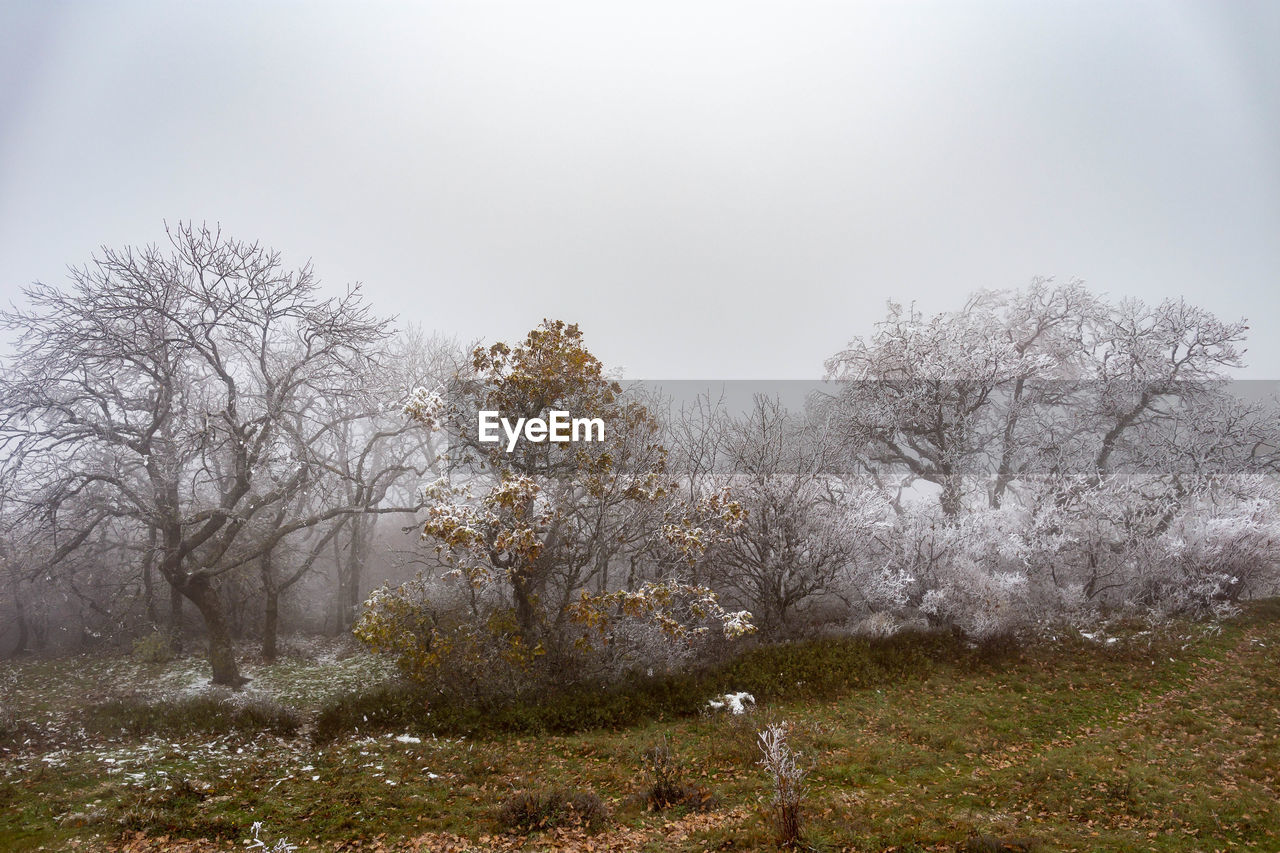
<point>1134,739</point>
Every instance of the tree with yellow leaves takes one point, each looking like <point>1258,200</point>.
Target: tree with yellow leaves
<point>557,543</point>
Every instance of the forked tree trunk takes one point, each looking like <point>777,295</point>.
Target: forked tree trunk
<point>222,655</point>
<point>525,612</point>
<point>952,498</point>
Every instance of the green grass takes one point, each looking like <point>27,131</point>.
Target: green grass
<point>1166,741</point>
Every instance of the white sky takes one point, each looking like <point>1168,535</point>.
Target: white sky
<point>713,190</point>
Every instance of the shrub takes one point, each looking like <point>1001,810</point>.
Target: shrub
<point>664,781</point>
<point>139,717</point>
<point>153,648</point>
<point>530,811</point>
<point>386,706</point>
<point>474,647</point>
<point>779,761</point>
<point>995,649</point>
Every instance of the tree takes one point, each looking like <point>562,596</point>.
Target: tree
<point>172,385</point>
<point>806,523</point>
<point>1049,381</point>
<point>377,453</point>
<point>1145,360</point>
<point>917,397</point>
<point>534,531</point>
<point>562,510</point>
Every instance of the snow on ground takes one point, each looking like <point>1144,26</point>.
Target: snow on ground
<point>48,694</point>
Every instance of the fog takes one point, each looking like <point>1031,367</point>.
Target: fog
<point>715,190</point>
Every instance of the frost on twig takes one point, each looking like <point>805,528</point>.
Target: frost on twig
<point>779,760</point>
<point>256,843</point>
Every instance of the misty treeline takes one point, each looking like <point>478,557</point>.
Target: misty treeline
<point>199,445</point>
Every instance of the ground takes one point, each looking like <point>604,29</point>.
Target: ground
<point>1128,740</point>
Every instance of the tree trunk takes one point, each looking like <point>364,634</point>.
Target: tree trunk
<point>21,613</point>
<point>222,655</point>
<point>338,602</point>
<point>148,582</point>
<point>270,623</point>
<point>355,556</point>
<point>524,606</point>
<point>271,613</point>
<point>952,498</point>
<point>175,618</point>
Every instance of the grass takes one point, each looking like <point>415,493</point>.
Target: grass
<point>190,715</point>
<point>1164,741</point>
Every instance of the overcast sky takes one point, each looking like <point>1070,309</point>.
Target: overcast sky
<point>712,190</point>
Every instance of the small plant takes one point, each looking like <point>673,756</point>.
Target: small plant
<point>665,785</point>
<point>529,811</point>
<point>779,760</point>
<point>665,782</point>
<point>153,648</point>
<point>256,843</point>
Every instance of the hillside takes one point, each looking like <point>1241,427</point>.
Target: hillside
<point>1164,740</point>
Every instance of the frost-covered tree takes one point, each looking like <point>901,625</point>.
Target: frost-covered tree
<point>922,397</point>
<point>1146,360</point>
<point>807,527</point>
<point>1020,386</point>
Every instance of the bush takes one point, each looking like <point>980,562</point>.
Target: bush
<point>816,669</point>
<point>474,648</point>
<point>664,781</point>
<point>153,648</point>
<point>139,717</point>
<point>380,708</point>
<point>530,811</point>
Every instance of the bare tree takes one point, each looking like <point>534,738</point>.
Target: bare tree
<point>171,382</point>
<point>806,522</point>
